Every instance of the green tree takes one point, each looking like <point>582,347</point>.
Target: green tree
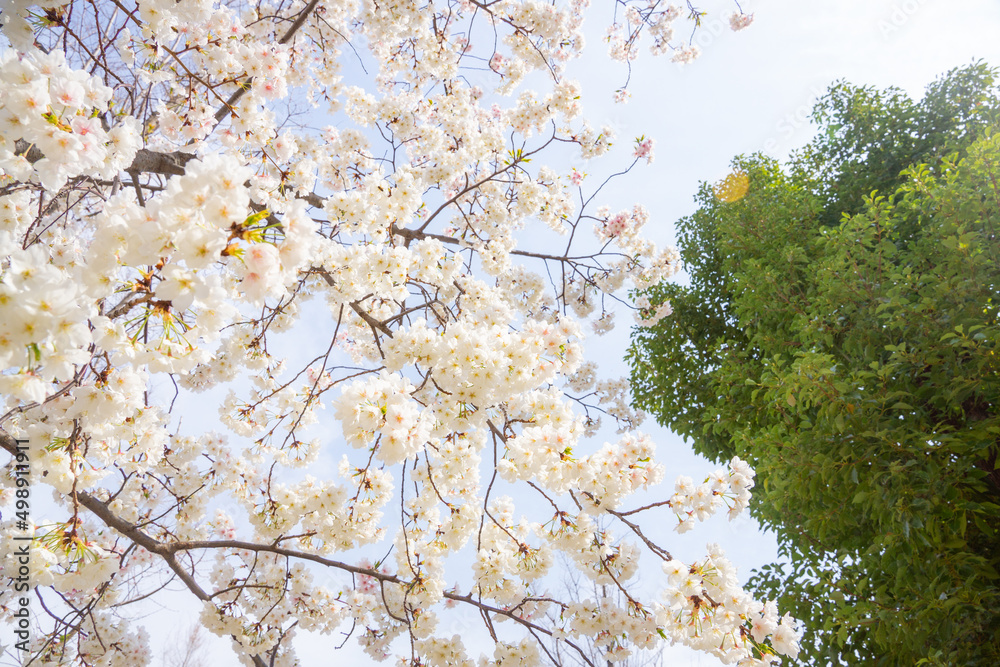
<point>840,331</point>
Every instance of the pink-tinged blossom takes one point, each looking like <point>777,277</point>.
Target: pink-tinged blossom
<point>738,21</point>
<point>644,149</point>
<point>685,54</point>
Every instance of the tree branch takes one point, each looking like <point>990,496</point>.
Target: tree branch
<point>132,532</point>
<point>146,161</point>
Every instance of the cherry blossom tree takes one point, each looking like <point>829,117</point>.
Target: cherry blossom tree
<point>188,186</point>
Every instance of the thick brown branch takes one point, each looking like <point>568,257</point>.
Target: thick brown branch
<point>146,161</point>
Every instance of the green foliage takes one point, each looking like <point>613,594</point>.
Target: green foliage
<point>840,331</point>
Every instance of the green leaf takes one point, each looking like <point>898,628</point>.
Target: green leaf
<point>254,218</point>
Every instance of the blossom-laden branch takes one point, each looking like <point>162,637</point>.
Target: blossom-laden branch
<point>173,222</point>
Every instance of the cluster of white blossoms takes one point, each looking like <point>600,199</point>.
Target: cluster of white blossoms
<point>658,20</point>
<point>179,240</point>
<point>43,317</point>
<point>648,315</point>
<point>704,609</point>
<point>739,20</point>
<point>723,488</point>
<point>384,413</point>
<point>58,110</point>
